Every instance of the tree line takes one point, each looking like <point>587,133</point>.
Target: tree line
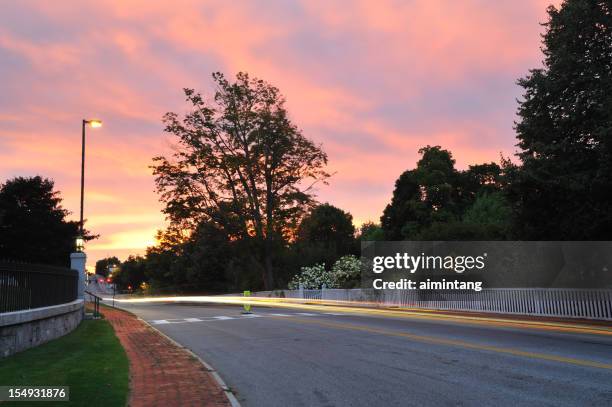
<point>239,189</point>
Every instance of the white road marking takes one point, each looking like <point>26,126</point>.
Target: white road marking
<point>242,316</point>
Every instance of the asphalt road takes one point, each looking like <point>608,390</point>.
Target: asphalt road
<point>319,359</point>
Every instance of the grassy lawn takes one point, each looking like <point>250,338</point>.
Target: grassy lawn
<point>90,360</point>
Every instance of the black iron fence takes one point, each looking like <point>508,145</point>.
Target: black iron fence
<point>25,286</point>
<point>95,300</point>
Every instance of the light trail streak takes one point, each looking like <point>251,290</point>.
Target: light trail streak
<point>361,308</point>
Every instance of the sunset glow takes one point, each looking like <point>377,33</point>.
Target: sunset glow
<point>373,83</point>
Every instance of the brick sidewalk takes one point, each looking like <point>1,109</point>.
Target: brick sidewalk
<point>161,373</point>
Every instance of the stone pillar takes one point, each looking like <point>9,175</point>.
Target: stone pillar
<point>77,262</point>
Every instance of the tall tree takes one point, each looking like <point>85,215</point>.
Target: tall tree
<point>429,193</point>
<point>562,191</point>
<point>242,163</point>
<point>33,225</point>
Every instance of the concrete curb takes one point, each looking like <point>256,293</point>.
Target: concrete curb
<point>228,392</point>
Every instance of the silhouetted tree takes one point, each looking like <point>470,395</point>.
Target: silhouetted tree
<point>427,194</point>
<point>430,201</point>
<point>240,161</point>
<point>33,225</point>
<point>562,191</point>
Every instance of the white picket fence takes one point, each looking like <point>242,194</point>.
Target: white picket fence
<point>553,302</point>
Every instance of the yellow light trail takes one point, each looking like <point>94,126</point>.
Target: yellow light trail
<point>359,308</point>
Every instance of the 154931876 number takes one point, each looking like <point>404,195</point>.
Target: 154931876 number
<point>49,393</point>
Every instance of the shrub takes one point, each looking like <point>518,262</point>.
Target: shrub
<point>346,271</point>
<point>312,278</point>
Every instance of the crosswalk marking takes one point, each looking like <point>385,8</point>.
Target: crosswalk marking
<point>237,317</point>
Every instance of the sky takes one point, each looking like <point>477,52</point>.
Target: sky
<point>373,81</point>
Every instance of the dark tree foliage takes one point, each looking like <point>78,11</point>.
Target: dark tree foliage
<point>217,263</point>
<point>208,260</point>
<point>482,178</point>
<point>33,225</point>
<point>564,189</point>
<point>329,224</point>
<point>324,235</point>
<point>406,210</point>
<point>462,231</point>
<point>240,162</point>
<point>438,182</point>
<point>166,262</point>
<point>102,265</point>
<point>489,209</point>
<point>370,231</point>
<point>131,274</point>
<point>210,251</point>
<point>430,201</point>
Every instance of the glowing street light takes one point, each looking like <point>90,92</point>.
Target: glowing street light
<point>80,244</point>
<point>93,123</point>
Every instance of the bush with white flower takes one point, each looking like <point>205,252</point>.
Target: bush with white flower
<point>345,272</point>
<point>312,278</point>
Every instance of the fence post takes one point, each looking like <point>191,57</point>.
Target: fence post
<point>77,262</point>
<point>301,291</point>
<point>323,287</point>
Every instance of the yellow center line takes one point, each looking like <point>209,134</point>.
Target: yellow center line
<point>453,342</point>
<point>481,321</point>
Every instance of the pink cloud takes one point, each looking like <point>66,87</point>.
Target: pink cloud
<point>371,81</point>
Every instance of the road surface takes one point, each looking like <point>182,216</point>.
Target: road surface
<point>300,357</point>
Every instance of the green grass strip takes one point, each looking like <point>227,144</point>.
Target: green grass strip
<point>90,360</point>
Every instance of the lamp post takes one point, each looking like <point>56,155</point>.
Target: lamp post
<point>93,123</point>
<point>78,259</point>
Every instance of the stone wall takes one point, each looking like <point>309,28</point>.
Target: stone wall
<point>21,330</point>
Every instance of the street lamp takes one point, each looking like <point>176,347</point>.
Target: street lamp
<point>93,123</point>
<point>80,243</point>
